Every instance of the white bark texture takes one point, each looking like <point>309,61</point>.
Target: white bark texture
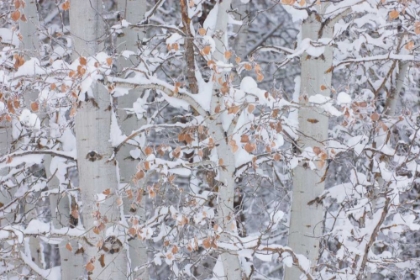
<point>306,220</point>
<point>225,210</point>
<point>132,11</point>
<point>92,128</point>
<point>29,29</point>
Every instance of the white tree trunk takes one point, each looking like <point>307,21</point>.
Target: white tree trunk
<point>306,220</point>
<point>29,29</point>
<point>225,210</point>
<point>92,128</point>
<point>132,11</point>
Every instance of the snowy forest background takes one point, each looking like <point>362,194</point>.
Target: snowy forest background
<point>209,139</point>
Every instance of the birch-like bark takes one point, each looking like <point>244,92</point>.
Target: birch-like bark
<point>133,11</point>
<point>306,220</point>
<point>96,173</point>
<point>225,209</point>
<point>29,29</point>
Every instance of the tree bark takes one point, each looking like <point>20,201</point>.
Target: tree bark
<point>132,11</point>
<point>225,209</point>
<point>96,173</point>
<point>306,220</point>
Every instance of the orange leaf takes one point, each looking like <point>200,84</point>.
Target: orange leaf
<point>374,117</point>
<point>237,59</point>
<point>202,31</point>
<point>68,247</point>
<point>15,15</point>
<point>207,243</point>
<point>109,61</point>
<point>146,165</point>
<point>251,108</point>
<point>317,150</point>
<point>248,66</point>
<point>102,260</point>
<point>288,2</point>
<point>277,157</point>
<point>107,192</point>
<point>217,109</point>
<point>220,161</point>
<point>323,87</point>
<point>249,147</point>
<point>34,106</point>
<point>417,27</point>
<point>65,6</point>
<point>206,50</point>
<point>228,54</point>
<point>393,14</point>
<point>90,267</point>
<point>148,150</point>
<point>410,45</point>
<point>260,77</point>
<point>244,138</point>
<point>17,4</point>
<point>82,60</point>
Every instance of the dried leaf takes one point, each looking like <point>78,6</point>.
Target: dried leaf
<point>217,109</point>
<point>107,192</point>
<point>174,249</point>
<point>238,59</point>
<point>250,147</point>
<point>90,267</point>
<point>82,60</point>
<point>244,138</point>
<point>119,201</point>
<point>65,6</point>
<point>148,150</point>
<point>260,77</point>
<point>102,260</point>
<point>417,27</point>
<point>276,157</point>
<point>317,150</point>
<point>410,45</point>
<point>288,2</point>
<point>220,161</point>
<point>251,108</point>
<point>374,117</point>
<point>15,15</point>
<point>202,31</point>
<point>146,165</point>
<point>207,243</point>
<point>323,87</point>
<point>247,66</point>
<point>228,54</point>
<point>69,247</point>
<point>313,120</point>
<point>177,152</point>
<point>17,4</point>
<point>393,14</point>
<point>109,61</point>
<point>23,18</point>
<point>206,50</point>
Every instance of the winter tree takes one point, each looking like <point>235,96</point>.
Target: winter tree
<point>209,139</point>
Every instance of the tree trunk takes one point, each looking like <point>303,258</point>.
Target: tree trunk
<point>225,209</point>
<point>132,11</point>
<point>306,220</point>
<point>96,174</point>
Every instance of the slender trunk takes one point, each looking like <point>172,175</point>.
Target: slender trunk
<point>96,174</point>
<point>306,220</point>
<point>29,29</point>
<point>132,11</point>
<point>225,209</point>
